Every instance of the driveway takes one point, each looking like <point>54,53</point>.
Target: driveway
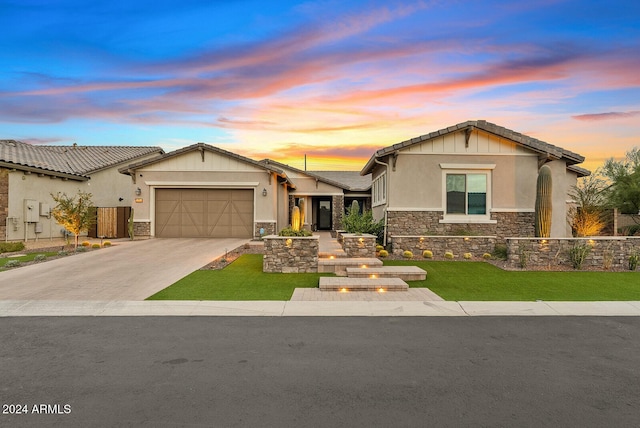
<point>129,270</point>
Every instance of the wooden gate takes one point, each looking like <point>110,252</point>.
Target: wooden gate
<point>111,222</point>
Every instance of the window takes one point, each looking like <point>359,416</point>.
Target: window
<point>379,190</point>
<point>467,194</point>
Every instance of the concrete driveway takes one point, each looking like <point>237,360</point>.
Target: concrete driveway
<point>129,270</point>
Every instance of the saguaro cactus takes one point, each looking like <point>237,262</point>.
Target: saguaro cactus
<point>302,206</point>
<point>543,203</point>
<point>295,219</point>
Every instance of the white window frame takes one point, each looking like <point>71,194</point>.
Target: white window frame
<point>379,190</point>
<point>466,169</point>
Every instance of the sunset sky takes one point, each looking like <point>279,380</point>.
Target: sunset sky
<point>334,80</point>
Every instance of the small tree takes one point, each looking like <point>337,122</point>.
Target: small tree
<point>588,217</point>
<point>75,213</point>
<point>624,176</point>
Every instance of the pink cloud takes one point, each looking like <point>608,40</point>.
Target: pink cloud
<point>606,116</point>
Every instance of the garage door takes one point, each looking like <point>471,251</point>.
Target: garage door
<point>208,213</point>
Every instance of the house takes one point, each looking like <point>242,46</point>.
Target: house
<point>471,178</point>
<point>29,174</point>
<point>205,191</point>
<point>326,194</point>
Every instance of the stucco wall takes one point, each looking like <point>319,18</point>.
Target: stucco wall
<point>216,171</point>
<point>39,188</point>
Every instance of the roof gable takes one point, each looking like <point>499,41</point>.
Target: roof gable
<point>200,150</point>
<point>465,129</point>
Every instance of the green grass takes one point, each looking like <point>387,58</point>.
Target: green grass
<point>461,281</point>
<point>452,280</point>
<point>26,258</point>
<point>241,280</point>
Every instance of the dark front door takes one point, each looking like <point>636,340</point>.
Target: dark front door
<point>324,214</point>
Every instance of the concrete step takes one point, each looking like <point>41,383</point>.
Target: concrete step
<point>339,265</point>
<point>332,254</point>
<point>406,273</point>
<point>332,283</point>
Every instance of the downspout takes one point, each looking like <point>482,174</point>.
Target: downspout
<point>386,166</point>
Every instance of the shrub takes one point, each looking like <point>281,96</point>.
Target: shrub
<point>12,263</point>
<point>106,244</point>
<point>63,253</point>
<point>86,243</point>
<point>486,256</point>
<point>383,253</point>
<point>40,257</point>
<point>407,254</point>
<point>427,254</point>
<point>356,222</point>
<point>10,247</point>
<point>467,256</point>
<point>81,249</point>
<point>632,230</point>
<point>607,259</point>
<point>500,252</point>
<point>96,245</point>
<point>523,253</point>
<point>448,255</point>
<point>379,247</point>
<point>634,255</point>
<point>288,231</point>
<point>577,254</point>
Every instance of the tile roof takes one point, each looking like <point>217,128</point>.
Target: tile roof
<point>74,161</point>
<point>351,180</point>
<point>524,140</point>
<point>347,180</point>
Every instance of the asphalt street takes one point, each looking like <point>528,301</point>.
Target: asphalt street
<point>320,372</point>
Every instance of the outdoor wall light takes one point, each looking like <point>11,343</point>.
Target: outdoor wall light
<point>264,192</point>
<point>288,242</point>
<point>138,191</point>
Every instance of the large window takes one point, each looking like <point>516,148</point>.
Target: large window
<point>379,190</point>
<point>467,194</point>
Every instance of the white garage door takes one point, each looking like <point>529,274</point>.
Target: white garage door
<point>207,213</point>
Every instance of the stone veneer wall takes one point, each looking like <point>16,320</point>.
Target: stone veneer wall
<point>141,228</point>
<point>337,205</point>
<point>300,256</point>
<point>539,253</point>
<point>514,224</point>
<point>4,200</point>
<point>458,245</point>
<point>268,226</point>
<point>411,223</point>
<point>363,245</point>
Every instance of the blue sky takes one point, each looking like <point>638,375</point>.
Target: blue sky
<point>334,80</point>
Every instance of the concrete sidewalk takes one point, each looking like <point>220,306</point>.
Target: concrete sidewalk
<point>17,308</point>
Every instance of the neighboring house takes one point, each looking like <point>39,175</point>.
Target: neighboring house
<point>205,191</point>
<point>474,177</point>
<point>29,174</point>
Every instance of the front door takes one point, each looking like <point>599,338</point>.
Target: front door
<point>324,214</point>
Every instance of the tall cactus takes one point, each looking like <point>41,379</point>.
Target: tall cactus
<point>302,206</point>
<point>295,219</point>
<point>543,203</point>
<point>355,207</point>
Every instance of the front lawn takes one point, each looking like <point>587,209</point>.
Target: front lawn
<point>452,280</point>
<point>459,281</point>
<point>241,280</point>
